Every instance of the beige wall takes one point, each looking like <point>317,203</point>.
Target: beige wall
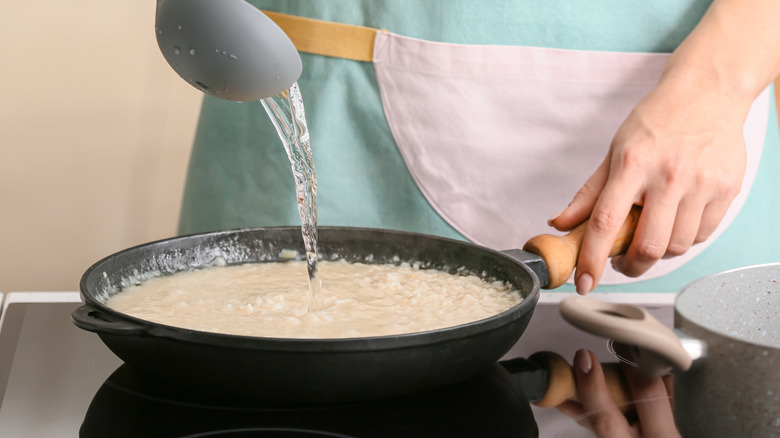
<point>95,134</point>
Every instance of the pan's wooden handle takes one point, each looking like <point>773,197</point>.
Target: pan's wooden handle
<point>560,252</point>
<point>561,385</point>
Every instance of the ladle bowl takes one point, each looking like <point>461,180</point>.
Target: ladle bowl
<point>226,48</point>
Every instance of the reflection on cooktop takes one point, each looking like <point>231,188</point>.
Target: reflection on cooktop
<point>489,404</point>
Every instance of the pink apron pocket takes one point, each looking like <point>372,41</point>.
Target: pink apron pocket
<point>499,138</point>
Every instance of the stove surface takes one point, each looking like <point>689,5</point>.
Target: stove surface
<point>57,380</point>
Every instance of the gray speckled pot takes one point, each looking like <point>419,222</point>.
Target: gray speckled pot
<point>724,350</point>
<point>734,390</point>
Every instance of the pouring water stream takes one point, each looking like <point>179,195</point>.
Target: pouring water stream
<point>233,51</point>
<point>288,116</point>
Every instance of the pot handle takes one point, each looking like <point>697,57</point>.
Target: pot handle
<point>656,347</point>
<point>560,253</point>
<point>91,319</point>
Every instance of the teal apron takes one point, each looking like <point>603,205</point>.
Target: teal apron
<point>239,175</point>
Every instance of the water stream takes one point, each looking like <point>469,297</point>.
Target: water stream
<point>288,116</point>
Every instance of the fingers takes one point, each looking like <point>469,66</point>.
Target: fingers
<point>599,410</point>
<point>686,227</point>
<point>592,202</point>
<point>670,224</point>
<point>607,217</point>
<point>651,238</point>
<point>713,214</point>
<point>695,222</point>
<point>653,403</point>
<point>666,229</point>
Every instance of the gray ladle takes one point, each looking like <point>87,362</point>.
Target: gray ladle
<point>226,48</point>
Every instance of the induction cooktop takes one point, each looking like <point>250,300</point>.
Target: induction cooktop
<point>59,381</point>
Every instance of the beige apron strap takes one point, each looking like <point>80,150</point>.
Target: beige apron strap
<point>327,38</point>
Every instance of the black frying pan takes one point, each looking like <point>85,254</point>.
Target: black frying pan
<point>308,370</point>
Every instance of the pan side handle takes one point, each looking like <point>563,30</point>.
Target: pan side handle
<point>657,348</point>
<point>91,319</point>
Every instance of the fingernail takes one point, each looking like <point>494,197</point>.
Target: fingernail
<point>582,361</point>
<point>555,216</point>
<point>584,284</point>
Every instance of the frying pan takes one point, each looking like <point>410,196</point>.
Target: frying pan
<point>319,370</point>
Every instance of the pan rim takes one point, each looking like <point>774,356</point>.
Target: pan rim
<point>331,345</point>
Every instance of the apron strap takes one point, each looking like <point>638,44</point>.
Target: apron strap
<point>327,38</point>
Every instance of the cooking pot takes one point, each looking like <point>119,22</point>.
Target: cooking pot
<point>724,351</point>
<point>320,370</point>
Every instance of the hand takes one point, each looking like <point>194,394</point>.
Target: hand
<point>680,154</point>
<point>598,412</point>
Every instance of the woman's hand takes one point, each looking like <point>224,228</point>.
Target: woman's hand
<point>680,153</point>
<point>597,411</point>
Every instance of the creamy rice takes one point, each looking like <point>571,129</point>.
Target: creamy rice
<point>272,300</point>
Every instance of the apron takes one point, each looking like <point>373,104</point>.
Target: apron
<point>483,150</point>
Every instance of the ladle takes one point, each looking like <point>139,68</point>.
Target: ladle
<point>226,48</point>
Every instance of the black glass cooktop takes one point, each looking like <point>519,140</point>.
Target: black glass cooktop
<point>59,381</point>
<point>489,404</point>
